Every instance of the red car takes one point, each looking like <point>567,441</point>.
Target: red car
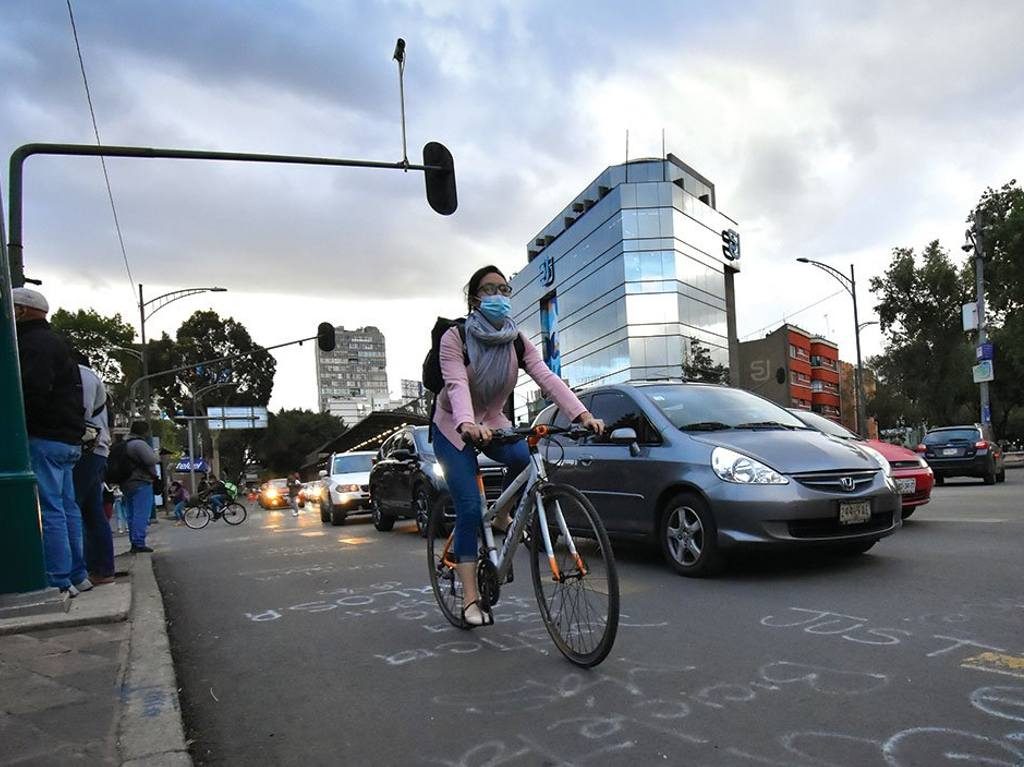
<point>914,478</point>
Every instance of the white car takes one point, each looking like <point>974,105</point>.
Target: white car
<point>346,486</point>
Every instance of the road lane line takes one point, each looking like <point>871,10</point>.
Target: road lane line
<point>996,663</point>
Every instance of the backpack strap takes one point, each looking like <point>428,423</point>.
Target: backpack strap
<point>520,345</point>
<point>461,327</point>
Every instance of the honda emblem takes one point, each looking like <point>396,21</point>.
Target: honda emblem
<point>846,483</point>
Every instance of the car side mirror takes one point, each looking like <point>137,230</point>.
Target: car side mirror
<point>323,473</point>
<point>626,435</point>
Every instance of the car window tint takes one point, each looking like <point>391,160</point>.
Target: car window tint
<point>951,435</point>
<point>618,411</point>
<point>387,447</point>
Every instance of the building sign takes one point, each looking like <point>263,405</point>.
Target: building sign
<point>547,271</point>
<point>549,334</point>
<point>236,417</point>
<point>731,244</point>
<point>186,464</point>
<point>983,372</point>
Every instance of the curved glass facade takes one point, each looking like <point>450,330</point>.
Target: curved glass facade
<point>621,281</point>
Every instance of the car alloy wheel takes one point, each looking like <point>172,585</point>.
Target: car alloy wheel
<point>421,507</point>
<point>689,538</point>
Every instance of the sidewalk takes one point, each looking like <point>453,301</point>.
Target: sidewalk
<point>94,685</point>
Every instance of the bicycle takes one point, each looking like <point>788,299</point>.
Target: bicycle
<point>571,561</point>
<point>198,515</point>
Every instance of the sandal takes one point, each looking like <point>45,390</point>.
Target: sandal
<point>487,617</point>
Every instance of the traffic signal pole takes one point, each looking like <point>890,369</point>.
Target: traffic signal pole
<point>21,543</point>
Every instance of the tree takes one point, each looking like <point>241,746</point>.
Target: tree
<point>925,369</point>
<point>699,366</point>
<point>100,338</point>
<point>291,435</point>
<point>1000,214</point>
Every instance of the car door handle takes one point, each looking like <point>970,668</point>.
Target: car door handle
<point>585,460</point>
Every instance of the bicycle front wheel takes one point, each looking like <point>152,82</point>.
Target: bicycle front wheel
<point>577,593</point>
<point>443,578</point>
<point>234,513</point>
<point>197,517</point>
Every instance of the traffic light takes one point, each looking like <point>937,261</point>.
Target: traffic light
<point>440,183</point>
<point>325,337</point>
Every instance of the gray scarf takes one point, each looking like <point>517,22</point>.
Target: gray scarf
<point>490,356</point>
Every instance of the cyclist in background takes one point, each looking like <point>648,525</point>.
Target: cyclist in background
<point>470,406</point>
<point>216,494</point>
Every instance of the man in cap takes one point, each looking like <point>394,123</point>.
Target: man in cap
<point>52,386</point>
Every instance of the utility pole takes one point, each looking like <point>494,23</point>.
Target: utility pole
<point>862,421</point>
<point>979,275</point>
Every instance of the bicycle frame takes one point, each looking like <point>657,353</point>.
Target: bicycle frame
<point>531,479</point>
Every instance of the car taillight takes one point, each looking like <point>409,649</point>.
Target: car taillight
<point>981,444</point>
<point>920,448</point>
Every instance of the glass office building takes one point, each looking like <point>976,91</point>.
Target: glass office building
<point>618,283</point>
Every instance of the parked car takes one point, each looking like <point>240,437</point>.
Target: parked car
<point>345,486</point>
<point>962,451</point>
<point>704,470</point>
<point>407,481</point>
<point>274,494</point>
<point>910,472</point>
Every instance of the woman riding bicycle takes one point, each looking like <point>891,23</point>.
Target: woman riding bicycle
<point>470,406</point>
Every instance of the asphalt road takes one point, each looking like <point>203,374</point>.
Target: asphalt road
<point>301,643</point>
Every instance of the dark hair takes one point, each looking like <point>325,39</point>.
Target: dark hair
<point>140,428</point>
<point>80,358</point>
<point>474,282</point>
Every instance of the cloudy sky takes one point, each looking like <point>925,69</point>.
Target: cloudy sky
<point>831,130</point>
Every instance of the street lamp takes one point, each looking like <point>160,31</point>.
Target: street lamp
<point>145,312</point>
<point>850,285</point>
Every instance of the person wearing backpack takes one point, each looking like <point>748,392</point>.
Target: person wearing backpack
<point>97,540</point>
<point>140,460</point>
<point>478,361</point>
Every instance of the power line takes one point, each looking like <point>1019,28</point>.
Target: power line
<point>793,314</point>
<point>103,162</point>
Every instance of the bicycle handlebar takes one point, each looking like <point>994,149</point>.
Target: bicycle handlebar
<point>512,435</point>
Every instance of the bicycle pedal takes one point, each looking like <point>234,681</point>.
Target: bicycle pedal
<point>511,574</point>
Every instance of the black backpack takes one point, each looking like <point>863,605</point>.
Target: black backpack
<point>119,464</point>
<point>433,381</point>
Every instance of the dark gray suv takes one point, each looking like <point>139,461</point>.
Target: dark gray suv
<point>704,469</point>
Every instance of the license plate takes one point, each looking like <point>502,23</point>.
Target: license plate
<point>854,513</point>
<point>906,486</point>
<point>950,451</point>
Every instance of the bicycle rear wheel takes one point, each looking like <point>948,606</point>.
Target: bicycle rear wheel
<point>197,517</point>
<point>234,513</point>
<point>444,581</point>
<point>578,595</point>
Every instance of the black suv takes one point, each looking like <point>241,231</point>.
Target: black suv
<point>962,451</point>
<point>407,481</point>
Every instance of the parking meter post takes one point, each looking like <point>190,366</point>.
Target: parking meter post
<point>21,545</point>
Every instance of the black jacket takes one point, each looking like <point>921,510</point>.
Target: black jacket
<point>52,384</point>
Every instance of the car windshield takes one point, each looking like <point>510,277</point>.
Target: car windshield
<point>279,483</point>
<point>713,408</point>
<point>951,435</point>
<point>351,464</point>
<point>823,424</point>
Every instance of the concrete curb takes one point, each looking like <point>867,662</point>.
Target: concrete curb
<point>150,730</point>
<point>105,604</point>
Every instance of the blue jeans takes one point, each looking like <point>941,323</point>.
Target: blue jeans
<point>217,502</point>
<point>121,513</point>
<point>54,465</point>
<point>97,540</point>
<point>139,504</point>
<point>460,470</point>
<point>179,511</point>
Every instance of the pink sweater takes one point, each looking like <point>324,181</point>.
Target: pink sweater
<point>455,404</point>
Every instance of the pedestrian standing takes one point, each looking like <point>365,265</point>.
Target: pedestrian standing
<point>97,540</point>
<point>120,514</point>
<point>52,387</point>
<point>138,488</point>
<point>294,488</point>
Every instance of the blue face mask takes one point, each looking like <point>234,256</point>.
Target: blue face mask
<point>496,308</point>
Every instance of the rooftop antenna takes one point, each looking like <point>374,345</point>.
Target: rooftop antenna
<point>400,58</point>
<point>627,155</point>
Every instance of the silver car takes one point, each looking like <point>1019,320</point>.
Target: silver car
<point>704,470</point>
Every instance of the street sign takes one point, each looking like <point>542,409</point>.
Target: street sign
<point>970,315</point>
<point>984,351</point>
<point>236,417</point>
<point>983,372</point>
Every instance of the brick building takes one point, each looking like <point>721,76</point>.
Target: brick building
<point>793,368</point>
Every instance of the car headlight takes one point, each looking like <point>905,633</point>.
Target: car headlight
<point>922,462</point>
<point>272,492</point>
<point>348,488</point>
<point>731,466</point>
<point>880,459</point>
<point>438,470</point>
